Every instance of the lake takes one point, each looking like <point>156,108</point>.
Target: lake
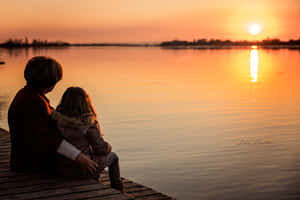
<point>194,124</point>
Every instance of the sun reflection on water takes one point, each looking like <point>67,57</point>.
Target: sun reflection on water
<point>254,64</point>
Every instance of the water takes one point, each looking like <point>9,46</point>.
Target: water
<point>194,124</point>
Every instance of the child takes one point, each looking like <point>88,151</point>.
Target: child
<point>77,122</point>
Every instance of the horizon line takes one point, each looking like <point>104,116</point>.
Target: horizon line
<point>21,40</point>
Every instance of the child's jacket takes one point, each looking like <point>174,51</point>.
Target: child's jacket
<point>86,137</point>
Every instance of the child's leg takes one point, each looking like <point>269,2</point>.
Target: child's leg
<point>114,171</point>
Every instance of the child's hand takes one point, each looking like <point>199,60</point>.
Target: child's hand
<point>86,163</point>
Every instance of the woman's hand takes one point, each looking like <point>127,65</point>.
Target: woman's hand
<point>87,164</point>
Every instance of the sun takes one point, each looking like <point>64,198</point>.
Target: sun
<point>254,29</point>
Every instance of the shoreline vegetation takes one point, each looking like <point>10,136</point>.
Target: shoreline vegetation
<point>269,43</point>
<point>228,44</point>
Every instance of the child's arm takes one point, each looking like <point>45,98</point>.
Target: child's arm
<point>100,147</point>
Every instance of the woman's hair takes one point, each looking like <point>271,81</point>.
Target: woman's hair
<point>42,72</point>
<point>76,103</point>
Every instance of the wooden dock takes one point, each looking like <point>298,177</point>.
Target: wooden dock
<point>34,186</point>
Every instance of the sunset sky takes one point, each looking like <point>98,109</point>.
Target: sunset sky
<point>148,20</point>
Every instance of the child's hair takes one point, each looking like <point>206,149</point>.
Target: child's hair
<point>42,72</point>
<point>77,103</point>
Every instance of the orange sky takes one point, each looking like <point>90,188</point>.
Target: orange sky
<point>148,21</point>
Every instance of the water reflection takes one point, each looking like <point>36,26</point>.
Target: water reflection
<point>254,64</point>
<point>215,131</point>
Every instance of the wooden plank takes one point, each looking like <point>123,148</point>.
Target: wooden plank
<point>64,190</point>
<point>5,169</point>
<point>107,182</point>
<point>112,197</point>
<point>29,183</point>
<point>8,173</point>
<point>4,161</point>
<point>4,165</point>
<point>38,180</point>
<point>129,184</point>
<point>155,197</point>
<point>18,177</point>
<point>133,189</point>
<point>50,184</point>
<point>4,153</point>
<point>83,195</point>
<point>143,193</point>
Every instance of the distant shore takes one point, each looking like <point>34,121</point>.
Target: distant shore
<point>180,47</point>
<point>20,43</point>
<point>174,44</point>
<point>228,44</point>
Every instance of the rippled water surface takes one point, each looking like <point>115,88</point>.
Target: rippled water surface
<point>194,124</point>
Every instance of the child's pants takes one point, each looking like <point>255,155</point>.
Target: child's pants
<point>114,169</point>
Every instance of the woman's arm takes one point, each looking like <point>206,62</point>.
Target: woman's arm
<point>68,150</point>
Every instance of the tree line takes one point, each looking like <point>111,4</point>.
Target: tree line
<point>268,41</point>
<point>21,43</point>
<point>38,43</point>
